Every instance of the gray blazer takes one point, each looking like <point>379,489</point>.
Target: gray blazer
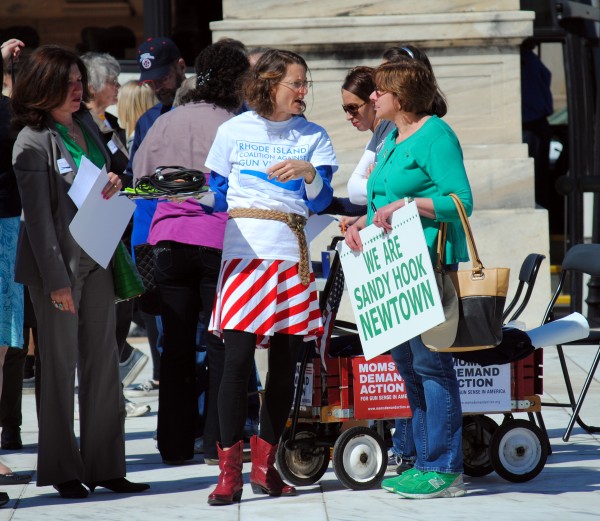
<point>47,255</point>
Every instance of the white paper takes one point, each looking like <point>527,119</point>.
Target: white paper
<point>316,224</point>
<point>568,329</point>
<point>99,224</point>
<point>84,180</point>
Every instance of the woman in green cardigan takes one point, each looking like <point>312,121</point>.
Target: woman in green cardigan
<point>421,161</point>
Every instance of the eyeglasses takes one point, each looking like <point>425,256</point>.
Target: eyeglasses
<point>353,108</point>
<point>381,92</point>
<point>113,81</point>
<point>297,85</point>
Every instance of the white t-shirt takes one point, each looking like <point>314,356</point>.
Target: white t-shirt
<point>244,148</point>
<point>357,184</point>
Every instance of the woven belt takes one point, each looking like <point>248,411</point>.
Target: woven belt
<point>294,221</point>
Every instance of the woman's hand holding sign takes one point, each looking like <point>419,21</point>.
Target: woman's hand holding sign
<point>383,216</point>
<point>352,236</point>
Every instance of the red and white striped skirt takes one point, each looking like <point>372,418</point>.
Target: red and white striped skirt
<point>265,297</point>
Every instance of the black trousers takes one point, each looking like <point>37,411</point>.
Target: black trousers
<point>124,314</point>
<point>187,277</point>
<point>12,387</point>
<point>279,388</point>
<point>154,337</point>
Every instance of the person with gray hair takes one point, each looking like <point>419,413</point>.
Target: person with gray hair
<point>102,69</point>
<point>103,86</point>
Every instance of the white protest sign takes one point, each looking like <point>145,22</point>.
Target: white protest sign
<point>391,283</point>
<point>307,386</point>
<point>483,389</point>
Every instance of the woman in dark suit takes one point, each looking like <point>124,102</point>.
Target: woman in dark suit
<point>72,295</point>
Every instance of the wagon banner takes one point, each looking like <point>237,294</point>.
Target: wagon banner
<point>379,391</point>
<point>483,389</point>
<point>391,283</point>
<point>307,385</point>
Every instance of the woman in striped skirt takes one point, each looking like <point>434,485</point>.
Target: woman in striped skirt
<point>269,168</point>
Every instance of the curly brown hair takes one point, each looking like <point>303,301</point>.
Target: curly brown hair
<point>411,83</point>
<point>220,75</point>
<point>269,70</point>
<point>43,84</point>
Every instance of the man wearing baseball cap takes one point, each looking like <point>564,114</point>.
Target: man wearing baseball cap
<point>162,67</point>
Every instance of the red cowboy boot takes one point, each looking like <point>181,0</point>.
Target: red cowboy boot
<point>264,477</point>
<point>229,487</point>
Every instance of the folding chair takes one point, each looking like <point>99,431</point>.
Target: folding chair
<point>579,259</point>
<point>527,276</point>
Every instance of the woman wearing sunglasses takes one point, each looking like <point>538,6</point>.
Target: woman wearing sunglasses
<point>356,89</point>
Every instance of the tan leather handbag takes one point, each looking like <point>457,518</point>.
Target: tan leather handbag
<point>481,296</point>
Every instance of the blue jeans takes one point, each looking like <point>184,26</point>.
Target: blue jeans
<point>434,398</point>
<point>403,441</point>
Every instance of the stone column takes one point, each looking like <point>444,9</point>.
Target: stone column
<point>474,49</point>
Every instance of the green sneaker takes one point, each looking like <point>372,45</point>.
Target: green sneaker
<point>391,484</point>
<point>432,484</point>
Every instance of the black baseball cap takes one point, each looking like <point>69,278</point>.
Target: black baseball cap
<point>155,57</point>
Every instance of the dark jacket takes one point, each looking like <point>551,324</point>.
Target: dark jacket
<point>110,131</point>
<point>47,254</point>
<point>10,202</point>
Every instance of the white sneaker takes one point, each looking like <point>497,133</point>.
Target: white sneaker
<point>149,388</point>
<point>29,385</point>
<point>134,410</point>
<point>130,368</point>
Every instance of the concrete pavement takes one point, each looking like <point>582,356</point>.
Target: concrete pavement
<point>566,489</point>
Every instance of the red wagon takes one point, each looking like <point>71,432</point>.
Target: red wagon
<point>340,395</point>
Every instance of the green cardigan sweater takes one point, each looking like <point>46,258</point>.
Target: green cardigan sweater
<point>427,164</point>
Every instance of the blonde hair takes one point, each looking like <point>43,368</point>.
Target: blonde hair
<point>134,100</point>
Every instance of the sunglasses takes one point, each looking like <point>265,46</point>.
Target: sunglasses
<point>353,108</point>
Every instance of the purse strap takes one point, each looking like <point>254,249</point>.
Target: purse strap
<point>441,247</point>
<point>477,264</point>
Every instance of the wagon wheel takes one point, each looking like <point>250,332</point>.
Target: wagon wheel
<point>518,450</point>
<point>359,458</point>
<point>304,465</point>
<point>476,437</point>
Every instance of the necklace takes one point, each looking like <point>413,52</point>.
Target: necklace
<point>72,132</point>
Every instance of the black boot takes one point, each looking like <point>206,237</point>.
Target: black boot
<point>10,439</point>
